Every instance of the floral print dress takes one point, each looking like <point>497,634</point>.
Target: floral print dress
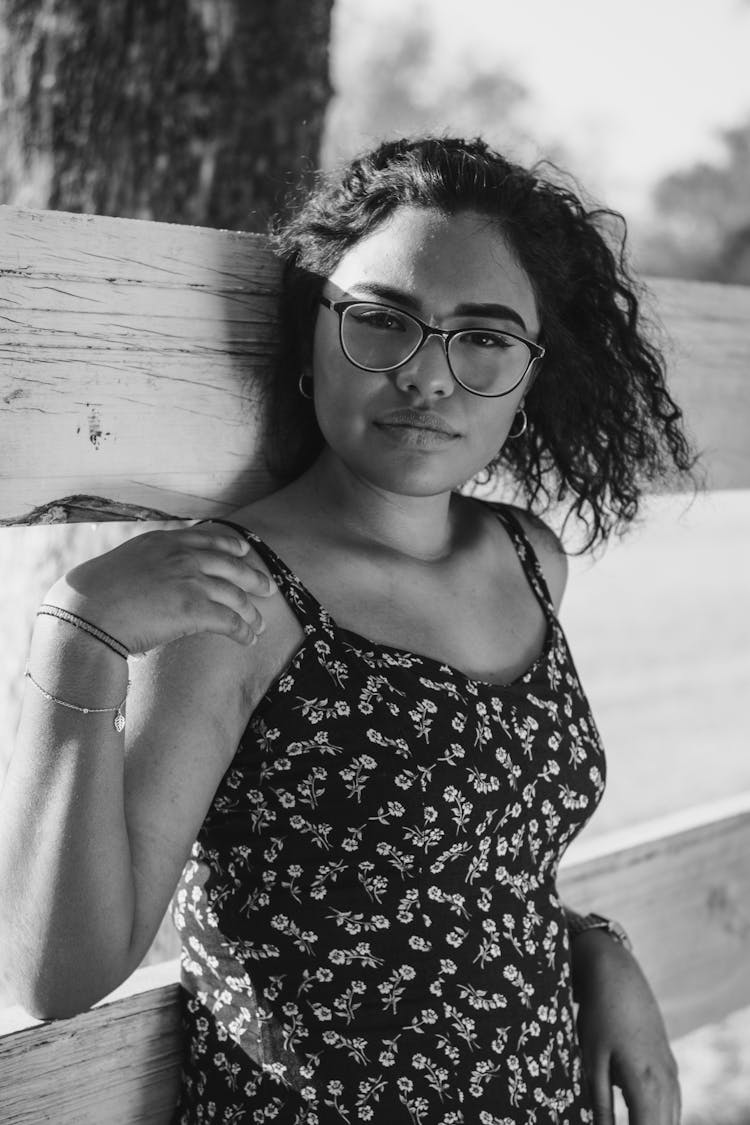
<point>370,924</point>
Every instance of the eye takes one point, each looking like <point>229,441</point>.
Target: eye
<point>479,338</point>
<point>378,317</point>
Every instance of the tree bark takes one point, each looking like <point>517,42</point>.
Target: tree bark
<point>188,111</point>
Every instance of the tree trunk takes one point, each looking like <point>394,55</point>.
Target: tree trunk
<point>188,111</point>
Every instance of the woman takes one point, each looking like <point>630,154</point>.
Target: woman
<point>380,742</point>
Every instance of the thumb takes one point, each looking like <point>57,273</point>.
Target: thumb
<point>602,1097</point>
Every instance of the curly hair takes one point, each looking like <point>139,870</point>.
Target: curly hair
<point>601,422</point>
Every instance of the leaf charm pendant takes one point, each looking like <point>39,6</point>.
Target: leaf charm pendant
<point>119,721</point>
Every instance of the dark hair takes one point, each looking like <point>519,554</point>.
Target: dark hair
<point>601,422</point>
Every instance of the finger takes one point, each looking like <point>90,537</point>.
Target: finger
<point>217,591</point>
<point>225,543</point>
<point>602,1097</point>
<point>223,538</point>
<point>243,572</point>
<point>207,616</point>
<point>652,1098</point>
<point>210,605</point>
<point>226,622</point>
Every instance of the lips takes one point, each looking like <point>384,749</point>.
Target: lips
<point>417,420</point>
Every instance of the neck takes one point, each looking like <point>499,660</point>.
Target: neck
<point>420,527</point>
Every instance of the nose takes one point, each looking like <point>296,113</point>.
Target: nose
<point>427,372</point>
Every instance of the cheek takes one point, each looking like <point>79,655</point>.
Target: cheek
<point>325,347</point>
<point>492,423</point>
<point>332,372</point>
<point>340,390</point>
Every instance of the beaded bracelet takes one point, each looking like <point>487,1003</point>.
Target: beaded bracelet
<point>118,722</point>
<point>86,626</point>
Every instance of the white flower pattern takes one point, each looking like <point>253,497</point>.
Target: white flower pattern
<point>370,923</point>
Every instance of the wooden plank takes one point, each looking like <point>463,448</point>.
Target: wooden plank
<point>709,370</point>
<point>680,885</point>
<point>117,1064</point>
<point>133,358</point>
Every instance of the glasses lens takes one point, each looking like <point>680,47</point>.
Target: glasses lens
<point>378,338</point>
<point>491,363</point>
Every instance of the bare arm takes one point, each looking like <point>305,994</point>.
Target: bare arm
<point>95,825</point>
<point>622,1034</point>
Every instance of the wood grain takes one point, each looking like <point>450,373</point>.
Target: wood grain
<point>133,362</point>
<point>134,358</point>
<point>680,885</point>
<point>115,1065</point>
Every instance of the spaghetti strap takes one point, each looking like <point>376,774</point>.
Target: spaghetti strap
<point>527,556</point>
<point>308,610</point>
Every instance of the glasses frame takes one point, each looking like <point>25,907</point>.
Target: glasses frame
<point>427,330</point>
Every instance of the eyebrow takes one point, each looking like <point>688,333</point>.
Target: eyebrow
<point>479,309</point>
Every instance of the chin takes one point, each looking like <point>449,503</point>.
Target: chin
<point>417,480</point>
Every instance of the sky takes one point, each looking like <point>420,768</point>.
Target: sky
<point>632,90</point>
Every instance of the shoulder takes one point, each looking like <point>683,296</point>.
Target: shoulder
<point>282,633</point>
<point>548,549</point>
<point>207,679</point>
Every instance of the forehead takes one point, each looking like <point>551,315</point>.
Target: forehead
<point>440,261</point>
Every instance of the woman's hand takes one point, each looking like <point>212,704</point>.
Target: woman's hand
<point>622,1034</point>
<point>164,585</point>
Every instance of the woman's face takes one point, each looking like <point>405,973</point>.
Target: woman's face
<point>416,431</point>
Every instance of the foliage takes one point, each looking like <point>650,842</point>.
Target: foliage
<point>704,217</point>
<point>399,84</point>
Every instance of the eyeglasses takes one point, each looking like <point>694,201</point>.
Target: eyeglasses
<point>482,360</point>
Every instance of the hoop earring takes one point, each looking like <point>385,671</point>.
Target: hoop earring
<point>524,425</point>
<point>301,387</point>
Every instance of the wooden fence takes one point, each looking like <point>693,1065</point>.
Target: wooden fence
<point>132,361</point>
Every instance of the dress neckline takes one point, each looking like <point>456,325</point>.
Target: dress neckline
<point>329,623</point>
<point>443,665</point>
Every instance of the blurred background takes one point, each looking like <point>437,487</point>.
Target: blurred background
<point>208,112</point>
